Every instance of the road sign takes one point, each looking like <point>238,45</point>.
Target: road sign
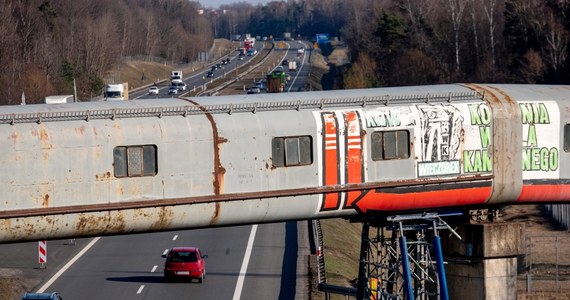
<point>42,252</point>
<point>322,38</point>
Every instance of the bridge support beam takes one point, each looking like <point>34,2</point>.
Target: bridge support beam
<point>483,265</point>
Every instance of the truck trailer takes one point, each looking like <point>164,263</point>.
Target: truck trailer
<point>176,76</point>
<point>276,80</point>
<point>292,66</point>
<point>58,99</point>
<point>117,91</point>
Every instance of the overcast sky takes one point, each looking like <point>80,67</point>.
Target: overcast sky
<point>217,3</point>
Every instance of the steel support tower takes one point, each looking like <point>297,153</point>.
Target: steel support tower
<point>401,258</point>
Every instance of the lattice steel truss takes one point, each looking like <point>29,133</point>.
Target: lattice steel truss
<point>401,259</point>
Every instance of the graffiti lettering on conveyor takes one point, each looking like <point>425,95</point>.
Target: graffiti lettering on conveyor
<point>534,157</point>
<point>390,118</point>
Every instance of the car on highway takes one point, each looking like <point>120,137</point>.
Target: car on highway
<point>214,68</point>
<point>260,85</point>
<point>45,296</point>
<point>285,62</point>
<point>173,90</point>
<point>181,86</point>
<point>153,90</point>
<point>210,74</point>
<point>184,262</point>
<point>254,90</point>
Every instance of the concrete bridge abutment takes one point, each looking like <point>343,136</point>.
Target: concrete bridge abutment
<point>483,266</point>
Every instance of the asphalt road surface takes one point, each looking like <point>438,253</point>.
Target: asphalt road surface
<point>244,262</point>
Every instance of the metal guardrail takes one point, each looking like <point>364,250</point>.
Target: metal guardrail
<point>323,286</point>
<point>228,108</point>
<point>318,237</point>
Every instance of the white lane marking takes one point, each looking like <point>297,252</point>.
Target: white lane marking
<point>175,237</point>
<point>247,255</point>
<point>165,251</point>
<point>140,289</point>
<point>299,68</point>
<point>67,265</point>
<point>153,269</point>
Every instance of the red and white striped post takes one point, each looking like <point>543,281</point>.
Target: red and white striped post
<point>42,254</point>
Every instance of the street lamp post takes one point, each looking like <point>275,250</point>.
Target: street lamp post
<point>203,83</point>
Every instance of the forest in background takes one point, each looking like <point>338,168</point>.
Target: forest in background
<point>46,44</point>
<point>416,42</point>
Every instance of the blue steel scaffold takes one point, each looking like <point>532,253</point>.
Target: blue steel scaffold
<point>397,261</point>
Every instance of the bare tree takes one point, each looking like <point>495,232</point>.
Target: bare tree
<point>474,27</point>
<point>557,41</point>
<point>417,12</point>
<point>456,10</point>
<point>489,8</point>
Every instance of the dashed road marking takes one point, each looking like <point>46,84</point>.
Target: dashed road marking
<point>140,289</point>
<point>153,269</point>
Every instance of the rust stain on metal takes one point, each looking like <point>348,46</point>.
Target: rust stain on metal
<point>103,176</point>
<point>504,94</point>
<point>105,222</point>
<point>216,215</point>
<point>116,222</point>
<point>14,137</point>
<point>91,224</point>
<point>44,136</point>
<point>164,218</point>
<point>219,170</point>
<point>45,203</point>
<point>80,130</point>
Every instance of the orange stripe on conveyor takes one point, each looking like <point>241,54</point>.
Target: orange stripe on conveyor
<point>380,201</point>
<point>353,155</point>
<point>545,193</point>
<point>331,160</point>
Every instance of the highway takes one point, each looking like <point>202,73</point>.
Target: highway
<point>199,78</point>
<point>282,51</point>
<point>266,261</point>
<point>130,266</point>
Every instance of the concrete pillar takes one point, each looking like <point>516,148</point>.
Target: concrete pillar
<point>484,265</point>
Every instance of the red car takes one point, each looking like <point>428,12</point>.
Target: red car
<point>184,262</point>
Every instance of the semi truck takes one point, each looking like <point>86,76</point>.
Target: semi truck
<point>274,84</point>
<point>176,76</point>
<point>276,80</point>
<point>57,99</point>
<point>117,91</point>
